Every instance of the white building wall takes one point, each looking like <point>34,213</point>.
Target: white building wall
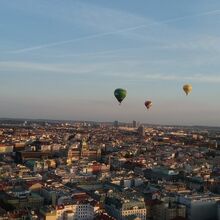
<point>141,213</point>
<point>80,212</point>
<point>201,209</point>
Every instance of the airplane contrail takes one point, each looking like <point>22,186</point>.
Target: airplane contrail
<point>92,36</point>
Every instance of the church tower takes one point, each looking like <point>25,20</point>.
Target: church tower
<point>84,148</point>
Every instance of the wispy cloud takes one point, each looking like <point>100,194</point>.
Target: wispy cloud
<point>90,68</point>
<point>199,78</point>
<point>42,67</point>
<point>114,32</point>
<point>201,43</point>
<point>99,69</point>
<point>93,54</point>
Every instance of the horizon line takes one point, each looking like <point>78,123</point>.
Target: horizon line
<point>122,122</point>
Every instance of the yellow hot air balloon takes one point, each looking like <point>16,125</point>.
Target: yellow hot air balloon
<point>187,88</point>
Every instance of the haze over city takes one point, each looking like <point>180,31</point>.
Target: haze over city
<point>63,60</point>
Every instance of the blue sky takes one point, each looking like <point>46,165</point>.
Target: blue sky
<point>63,60</point>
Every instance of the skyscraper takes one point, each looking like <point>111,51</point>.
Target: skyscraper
<point>141,131</point>
<point>116,124</point>
<point>134,124</point>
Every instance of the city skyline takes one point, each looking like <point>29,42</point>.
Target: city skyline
<point>63,60</point>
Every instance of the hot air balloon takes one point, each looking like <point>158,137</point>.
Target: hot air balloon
<point>148,104</point>
<point>120,94</point>
<point>187,88</point>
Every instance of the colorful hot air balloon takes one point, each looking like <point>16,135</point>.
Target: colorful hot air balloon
<point>120,94</point>
<point>187,88</point>
<point>148,104</point>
